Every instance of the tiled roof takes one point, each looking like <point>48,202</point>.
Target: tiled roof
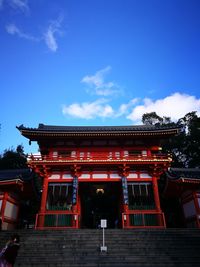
<point>188,173</point>
<point>100,128</point>
<point>65,129</point>
<point>22,174</point>
<point>50,131</point>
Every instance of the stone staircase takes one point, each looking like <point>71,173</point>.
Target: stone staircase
<point>81,248</point>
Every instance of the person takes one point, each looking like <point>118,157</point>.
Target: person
<point>9,252</point>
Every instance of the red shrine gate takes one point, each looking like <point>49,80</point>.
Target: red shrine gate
<point>93,173</point>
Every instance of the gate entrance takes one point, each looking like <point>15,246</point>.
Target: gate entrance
<point>100,200</point>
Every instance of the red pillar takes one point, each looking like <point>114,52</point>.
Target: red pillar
<point>197,208</point>
<point>156,194</point>
<point>44,195</point>
<point>3,206</point>
<point>43,202</point>
<point>125,223</point>
<point>161,219</point>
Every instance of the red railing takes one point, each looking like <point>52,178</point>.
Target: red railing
<point>143,219</point>
<point>99,157</point>
<point>57,220</point>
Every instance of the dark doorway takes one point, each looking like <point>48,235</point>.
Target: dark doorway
<point>100,200</point>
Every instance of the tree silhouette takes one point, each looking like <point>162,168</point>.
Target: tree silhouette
<point>13,159</point>
<point>185,148</point>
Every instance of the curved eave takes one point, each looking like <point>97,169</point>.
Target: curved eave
<point>36,135</point>
<point>12,182</point>
<point>190,180</point>
<point>185,180</point>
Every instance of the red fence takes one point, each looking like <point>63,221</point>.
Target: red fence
<point>61,220</point>
<point>143,219</point>
<point>100,156</point>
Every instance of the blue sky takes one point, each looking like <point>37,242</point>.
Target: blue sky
<point>96,62</point>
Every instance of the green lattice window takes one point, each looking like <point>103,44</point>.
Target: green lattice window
<point>59,196</point>
<point>140,196</point>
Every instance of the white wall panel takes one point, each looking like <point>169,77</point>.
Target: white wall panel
<point>114,175</point>
<point>145,175</point>
<point>132,175</point>
<point>54,176</point>
<point>67,176</point>
<point>189,209</point>
<point>11,210</point>
<point>84,176</point>
<point>100,175</point>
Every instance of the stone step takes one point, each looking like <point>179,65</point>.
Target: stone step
<point>138,248</point>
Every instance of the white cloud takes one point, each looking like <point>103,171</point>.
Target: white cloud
<point>21,5</point>
<point>98,85</point>
<point>13,29</point>
<point>49,35</point>
<point>175,106</point>
<point>89,110</point>
<point>125,108</point>
<point>97,79</point>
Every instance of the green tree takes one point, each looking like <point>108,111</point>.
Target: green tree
<point>151,119</point>
<point>13,159</point>
<point>191,141</point>
<point>185,148</point>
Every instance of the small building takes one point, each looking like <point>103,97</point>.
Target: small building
<point>17,189</point>
<point>100,172</point>
<point>182,190</point>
